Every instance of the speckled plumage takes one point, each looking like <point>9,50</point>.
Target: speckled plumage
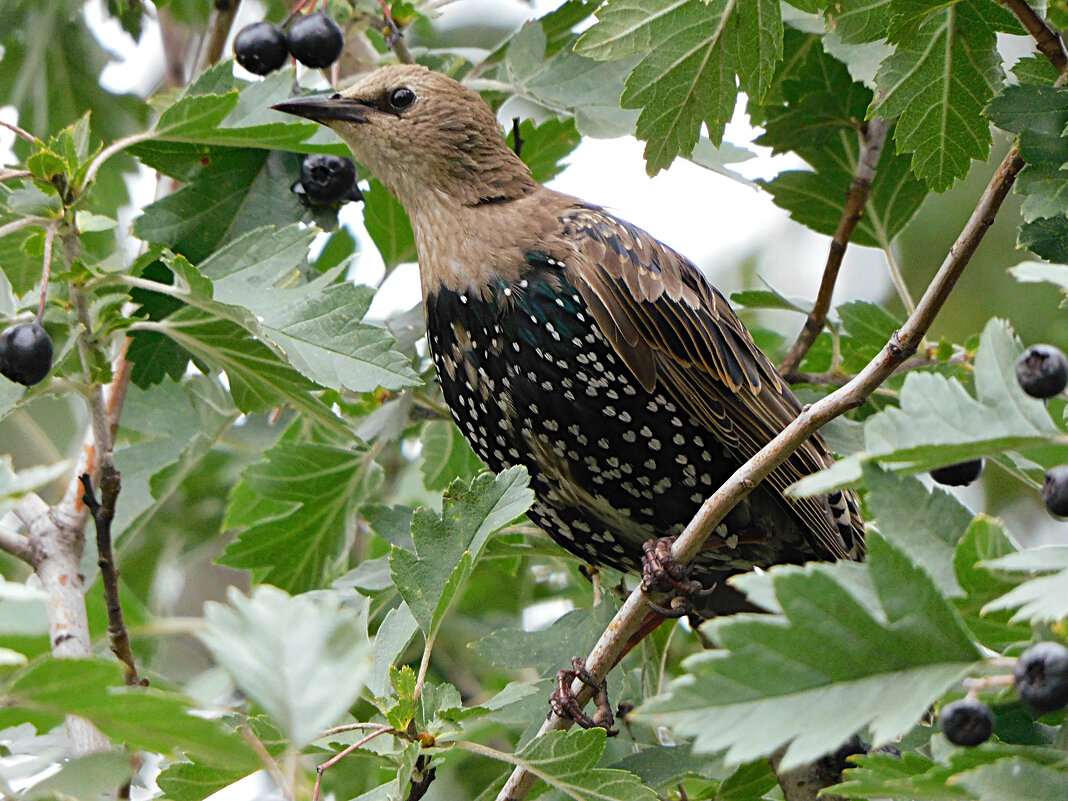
<point>577,345</point>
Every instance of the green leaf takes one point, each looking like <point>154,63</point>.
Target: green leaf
<point>691,52</point>
<point>193,781</point>
<point>295,510</point>
<point>937,82</point>
<point>1040,600</point>
<point>813,111</point>
<point>858,21</point>
<point>1047,238</point>
<point>388,225</point>
<point>13,485</point>
<point>1039,115</point>
<point>939,423</point>
<point>304,659</point>
<point>545,650</point>
<point>93,776</point>
<point>826,668</point>
<point>545,146</point>
<point>566,761</point>
<point>1013,779</point>
<point>447,545</point>
<point>566,82</point>
<point>147,718</point>
<point>446,455</point>
<point>237,191</point>
<point>985,541</point>
<point>317,324</point>
<point>926,525</point>
<point>1040,271</point>
<point>259,379</point>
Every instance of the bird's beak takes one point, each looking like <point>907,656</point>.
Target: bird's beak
<point>324,108</point>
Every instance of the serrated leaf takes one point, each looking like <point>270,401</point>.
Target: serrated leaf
<point>447,545</point>
<point>316,324</point>
<point>858,21</point>
<point>304,659</point>
<point>1040,600</point>
<point>141,717</point>
<point>587,89</point>
<point>813,111</point>
<point>926,525</point>
<point>92,776</point>
<point>545,146</point>
<point>939,423</point>
<point>1040,271</point>
<point>1012,779</point>
<point>938,82</point>
<point>825,669</point>
<point>985,541</point>
<point>914,777</point>
<point>388,225</point>
<point>296,512</point>
<point>566,761</point>
<point>446,455</point>
<point>1047,238</point>
<point>193,781</point>
<point>545,650</point>
<point>1039,115</point>
<point>259,380</point>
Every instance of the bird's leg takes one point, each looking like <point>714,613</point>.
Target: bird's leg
<point>563,702</point>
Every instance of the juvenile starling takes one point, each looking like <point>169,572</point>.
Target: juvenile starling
<point>575,344</point>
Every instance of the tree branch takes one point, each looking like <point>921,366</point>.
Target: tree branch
<point>900,347</point>
<point>15,542</point>
<point>57,549</point>
<point>873,137</point>
<point>103,512</point>
<point>1047,39</point>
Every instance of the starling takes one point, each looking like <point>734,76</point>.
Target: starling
<point>575,344</point>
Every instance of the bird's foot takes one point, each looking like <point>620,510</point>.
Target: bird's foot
<point>661,572</point>
<point>563,703</point>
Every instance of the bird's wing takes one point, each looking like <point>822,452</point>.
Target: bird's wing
<point>676,331</point>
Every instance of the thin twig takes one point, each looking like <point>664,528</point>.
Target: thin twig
<point>46,267</point>
<point>900,347</point>
<point>395,40</point>
<point>103,512</point>
<point>22,222</point>
<point>15,542</point>
<point>342,754</point>
<point>1047,39</point>
<point>873,137</point>
<point>10,175</point>
<point>115,147</point>
<point>833,378</point>
<point>899,281</point>
<point>18,131</point>
<point>214,40</point>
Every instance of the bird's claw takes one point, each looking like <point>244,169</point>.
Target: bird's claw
<point>563,703</point>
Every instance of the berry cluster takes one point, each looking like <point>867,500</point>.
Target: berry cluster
<point>1042,372</point>
<point>1041,680</point>
<point>25,353</point>
<point>315,40</point>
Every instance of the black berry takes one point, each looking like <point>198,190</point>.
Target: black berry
<point>967,722</point>
<point>1055,490</point>
<point>328,179</point>
<point>315,40</point>
<point>25,353</point>
<point>1042,677</point>
<point>261,47</point>
<point>959,474</point>
<point>1042,371</point>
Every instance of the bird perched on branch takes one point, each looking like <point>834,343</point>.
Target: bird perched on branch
<point>575,344</point>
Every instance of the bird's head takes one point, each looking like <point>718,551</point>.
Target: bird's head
<point>420,132</point>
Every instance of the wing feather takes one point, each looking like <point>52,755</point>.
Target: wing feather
<point>676,331</point>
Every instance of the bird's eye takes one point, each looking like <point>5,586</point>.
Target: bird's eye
<point>401,98</point>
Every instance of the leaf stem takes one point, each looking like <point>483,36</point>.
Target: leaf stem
<point>18,131</point>
<point>342,754</point>
<point>115,147</point>
<point>873,137</point>
<point>901,346</point>
<point>899,281</point>
<point>22,222</point>
<point>46,267</point>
